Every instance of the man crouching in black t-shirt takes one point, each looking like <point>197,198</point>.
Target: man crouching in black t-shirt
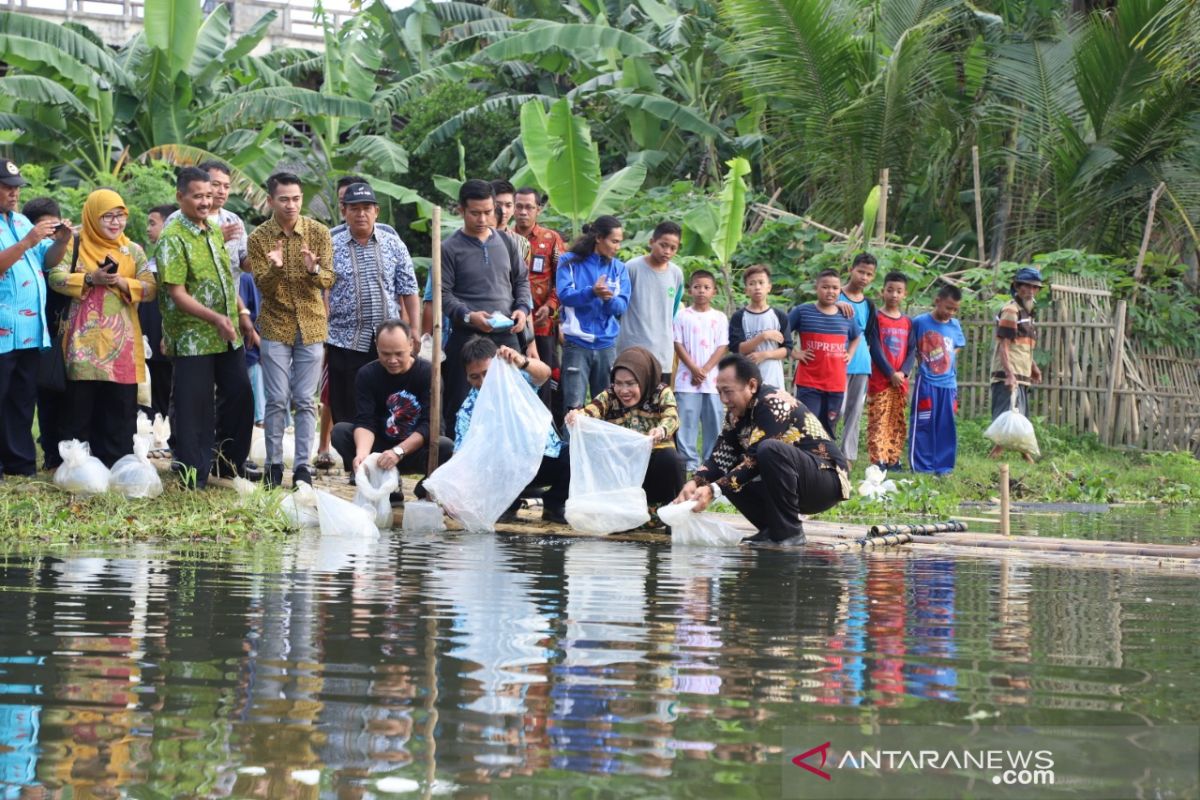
<point>392,408</point>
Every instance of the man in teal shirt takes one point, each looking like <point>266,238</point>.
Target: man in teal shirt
<point>27,251</point>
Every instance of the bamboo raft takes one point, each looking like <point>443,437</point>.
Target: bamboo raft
<point>844,538</point>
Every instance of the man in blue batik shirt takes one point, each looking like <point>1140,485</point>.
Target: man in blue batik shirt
<point>27,251</point>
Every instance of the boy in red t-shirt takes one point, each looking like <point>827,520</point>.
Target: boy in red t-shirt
<point>827,341</point>
<point>887,389</point>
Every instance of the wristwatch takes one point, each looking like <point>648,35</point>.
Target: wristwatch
<point>398,450</point>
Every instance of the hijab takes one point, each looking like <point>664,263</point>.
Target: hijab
<point>645,368</point>
<point>94,246</point>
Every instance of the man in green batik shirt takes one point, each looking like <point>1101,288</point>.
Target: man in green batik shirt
<point>202,315</point>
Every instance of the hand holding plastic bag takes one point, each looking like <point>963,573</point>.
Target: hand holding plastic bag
<point>81,472</point>
<point>133,475</point>
<point>1014,431</point>
<point>373,489</point>
<point>500,455</point>
<point>608,465</point>
<point>690,528</point>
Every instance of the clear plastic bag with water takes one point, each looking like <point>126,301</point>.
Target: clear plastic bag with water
<point>1014,431</point>
<point>690,528</point>
<point>300,508</point>
<point>608,465</point>
<point>81,472</point>
<point>421,516</point>
<point>133,475</point>
<point>313,508</point>
<point>500,455</point>
<point>373,489</point>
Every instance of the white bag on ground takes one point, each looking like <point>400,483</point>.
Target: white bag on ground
<point>374,487</point>
<point>608,465</point>
<point>145,427</point>
<point>689,528</point>
<point>300,508</point>
<point>133,475</point>
<point>1014,431</point>
<point>500,455</point>
<point>258,446</point>
<point>338,517</point>
<point>81,472</point>
<point>161,427</point>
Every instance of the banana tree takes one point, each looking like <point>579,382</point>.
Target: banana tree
<point>564,162</point>
<point>718,230</point>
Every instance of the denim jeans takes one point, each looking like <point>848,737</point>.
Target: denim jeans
<point>585,373</point>
<point>291,376</point>
<point>698,412</point>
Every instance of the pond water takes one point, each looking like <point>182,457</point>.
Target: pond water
<point>485,666</point>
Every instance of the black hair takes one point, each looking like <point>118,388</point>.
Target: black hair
<point>501,186</point>
<point>601,228</point>
<point>189,175</point>
<point>282,179</point>
<point>828,273</point>
<point>702,273</point>
<point>864,258</point>
<point>949,292</point>
<point>164,211</point>
<point>40,207</point>
<point>756,269</point>
<point>541,201</point>
<point>219,166</point>
<point>475,189</point>
<point>477,348</point>
<point>666,228</point>
<point>349,180</point>
<point>745,369</point>
<point>895,277</point>
<point>393,325</point>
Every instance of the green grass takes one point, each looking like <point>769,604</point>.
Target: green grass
<point>34,510</point>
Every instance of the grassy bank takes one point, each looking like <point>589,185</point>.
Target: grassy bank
<point>1072,469</point>
<point>34,510</point>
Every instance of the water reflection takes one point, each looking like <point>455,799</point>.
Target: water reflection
<point>470,663</point>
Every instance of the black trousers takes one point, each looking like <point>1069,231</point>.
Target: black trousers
<point>554,474</point>
<point>203,421</point>
<point>550,392</point>
<point>103,414</point>
<point>343,366</point>
<point>664,476</point>
<point>18,394</point>
<point>51,408</point>
<point>454,376</point>
<point>791,482</point>
<point>416,463</point>
<point>161,376</point>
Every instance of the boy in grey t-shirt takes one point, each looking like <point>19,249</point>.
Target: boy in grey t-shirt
<point>759,331</point>
<point>656,288</point>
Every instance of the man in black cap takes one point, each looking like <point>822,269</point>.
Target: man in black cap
<point>27,251</point>
<point>373,280</point>
<point>1013,367</point>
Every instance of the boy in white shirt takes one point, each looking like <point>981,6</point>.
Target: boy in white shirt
<point>701,341</point>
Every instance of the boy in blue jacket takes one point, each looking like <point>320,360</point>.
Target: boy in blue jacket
<point>593,290</point>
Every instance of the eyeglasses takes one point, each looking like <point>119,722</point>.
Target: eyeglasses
<point>625,384</point>
<point>114,218</point>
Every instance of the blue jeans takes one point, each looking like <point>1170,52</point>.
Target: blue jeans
<point>826,405</point>
<point>260,397</point>
<point>585,373</point>
<point>291,376</point>
<point>698,411</point>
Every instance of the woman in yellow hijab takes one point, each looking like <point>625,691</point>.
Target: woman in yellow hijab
<point>106,278</point>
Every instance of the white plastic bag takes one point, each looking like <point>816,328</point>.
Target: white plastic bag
<point>81,472</point>
<point>145,427</point>
<point>421,516</point>
<point>300,508</point>
<point>338,517</point>
<point>374,487</point>
<point>258,446</point>
<point>500,455</point>
<point>1014,431</point>
<point>161,428</point>
<point>608,465</point>
<point>690,528</point>
<point>133,475</point>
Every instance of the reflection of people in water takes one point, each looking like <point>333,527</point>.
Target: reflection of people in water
<point>931,629</point>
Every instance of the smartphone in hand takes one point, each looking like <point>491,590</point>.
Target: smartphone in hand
<point>108,265</point>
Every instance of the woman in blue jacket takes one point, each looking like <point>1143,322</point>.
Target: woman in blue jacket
<point>593,289</point>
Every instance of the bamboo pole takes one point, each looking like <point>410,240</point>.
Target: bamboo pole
<point>1115,374</point>
<point>880,233</point>
<point>1005,509</point>
<point>979,212</point>
<point>1141,259</point>
<point>435,391</point>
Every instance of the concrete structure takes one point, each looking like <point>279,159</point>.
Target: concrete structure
<point>116,21</point>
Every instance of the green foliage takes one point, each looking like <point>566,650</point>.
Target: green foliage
<point>141,186</point>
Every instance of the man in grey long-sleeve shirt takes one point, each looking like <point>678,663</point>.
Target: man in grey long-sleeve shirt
<point>482,274</point>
